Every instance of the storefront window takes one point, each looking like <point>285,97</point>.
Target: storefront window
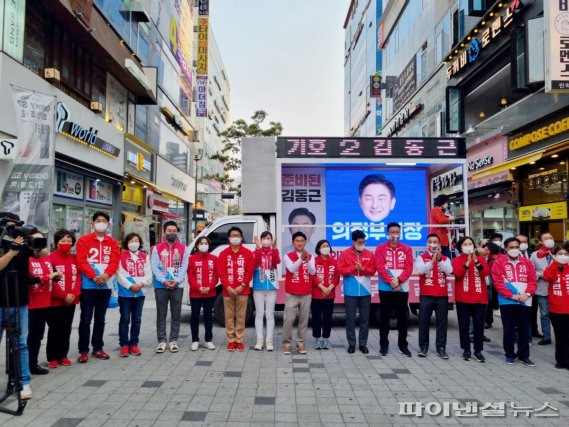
<point>492,220</point>
<point>544,183</point>
<point>173,149</point>
<point>35,34</point>
<point>140,122</point>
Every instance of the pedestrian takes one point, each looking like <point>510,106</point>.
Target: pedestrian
<point>498,239</point>
<point>40,281</point>
<point>235,268</point>
<point>299,266</point>
<point>441,215</point>
<point>134,276</point>
<point>394,262</point>
<point>492,253</point>
<point>202,278</point>
<point>515,280</point>
<point>265,285</point>
<point>433,268</point>
<point>324,284</point>
<point>557,274</point>
<point>169,262</point>
<point>98,259</point>
<point>357,265</point>
<point>64,298</point>
<point>541,259</point>
<point>471,296</point>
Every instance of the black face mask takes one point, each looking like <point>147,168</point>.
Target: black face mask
<point>37,243</point>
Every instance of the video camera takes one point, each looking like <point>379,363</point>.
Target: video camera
<point>11,229</point>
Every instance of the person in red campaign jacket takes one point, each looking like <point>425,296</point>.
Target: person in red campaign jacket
<point>203,278</point>
<point>324,284</point>
<point>439,216</point>
<point>41,276</point>
<point>557,274</point>
<point>298,285</point>
<point>471,296</point>
<point>394,262</point>
<point>64,297</point>
<point>98,258</point>
<point>514,278</point>
<point>433,268</point>
<point>235,268</point>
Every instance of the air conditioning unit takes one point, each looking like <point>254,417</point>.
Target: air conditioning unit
<point>51,74</point>
<point>96,107</point>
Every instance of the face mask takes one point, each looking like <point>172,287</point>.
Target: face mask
<point>171,237</point>
<point>65,247</point>
<point>203,248</point>
<point>433,247</point>
<point>325,251</point>
<point>498,243</point>
<point>513,253</point>
<point>562,259</point>
<point>101,227</point>
<point>549,243</point>
<point>524,247</point>
<point>360,248</point>
<point>133,246</point>
<point>266,243</point>
<point>235,241</point>
<point>467,249</point>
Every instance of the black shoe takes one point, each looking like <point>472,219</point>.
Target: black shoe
<point>544,341</point>
<point>478,357</point>
<point>383,351</point>
<point>423,352</point>
<point>364,349</point>
<point>486,339</point>
<point>466,355</point>
<point>38,370</point>
<point>527,362</point>
<point>442,353</point>
<point>537,335</point>
<point>351,349</point>
<point>405,352</point>
<point>560,366</point>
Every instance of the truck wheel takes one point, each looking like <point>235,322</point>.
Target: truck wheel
<point>218,310</point>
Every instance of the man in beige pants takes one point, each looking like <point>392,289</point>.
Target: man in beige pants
<point>298,285</point>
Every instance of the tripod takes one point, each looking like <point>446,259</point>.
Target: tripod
<point>11,324</point>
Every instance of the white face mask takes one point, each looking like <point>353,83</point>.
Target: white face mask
<point>498,243</point>
<point>133,246</point>
<point>562,259</point>
<point>235,241</point>
<point>325,251</point>
<point>467,249</point>
<point>549,243</point>
<point>513,253</point>
<point>524,247</point>
<point>203,247</point>
<point>360,248</point>
<point>101,227</point>
<point>266,243</point>
<point>433,247</point>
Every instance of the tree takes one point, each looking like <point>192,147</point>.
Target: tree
<point>232,137</point>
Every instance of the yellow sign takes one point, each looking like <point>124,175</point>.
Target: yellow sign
<point>133,194</point>
<point>540,134</point>
<point>203,35</point>
<point>545,212</point>
<point>139,161</point>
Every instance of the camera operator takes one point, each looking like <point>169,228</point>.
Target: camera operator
<point>16,257</point>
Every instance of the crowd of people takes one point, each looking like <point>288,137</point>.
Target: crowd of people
<point>101,272</point>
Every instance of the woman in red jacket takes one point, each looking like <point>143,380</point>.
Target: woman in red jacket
<point>40,283</point>
<point>471,296</point>
<point>202,277</point>
<point>64,298</point>
<point>324,284</point>
<point>557,274</point>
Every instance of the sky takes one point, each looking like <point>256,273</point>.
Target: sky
<point>284,57</point>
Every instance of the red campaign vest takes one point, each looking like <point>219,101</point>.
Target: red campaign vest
<point>559,293</point>
<point>298,283</point>
<point>134,268</point>
<point>171,257</point>
<point>326,273</point>
<point>434,283</point>
<point>198,277</point>
<point>40,293</point>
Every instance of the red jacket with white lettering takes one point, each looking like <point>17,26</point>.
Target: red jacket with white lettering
<point>470,284</point>
<point>299,282</point>
<point>202,272</point>
<point>91,250</point>
<point>40,293</point>
<point>522,271</point>
<point>70,282</point>
<point>439,217</point>
<point>434,282</point>
<point>235,269</point>
<point>326,274</point>
<point>558,295</point>
<point>399,258</point>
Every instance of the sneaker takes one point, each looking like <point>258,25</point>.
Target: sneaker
<point>134,350</point>
<point>259,344</point>
<point>38,370</point>
<point>269,344</point>
<point>100,354</point>
<point>478,357</point>
<point>405,352</point>
<point>287,349</point>
<point>231,346</point>
<point>83,357</point>
<point>52,364</point>
<point>124,351</point>
<point>239,346</point>
<point>26,393</point>
<point>318,345</point>
<point>510,360</point>
<point>545,341</point>
<point>325,344</point>
<point>174,347</point>
<point>442,353</point>
<point>383,351</point>
<point>195,345</point>
<point>161,347</point>
<point>364,349</point>
<point>300,348</point>
<point>466,355</point>
<point>209,345</point>
<point>527,362</point>
<point>423,352</point>
<point>65,362</point>
<point>351,349</point>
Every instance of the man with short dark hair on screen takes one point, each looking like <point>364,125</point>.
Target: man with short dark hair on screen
<point>300,219</point>
<point>377,197</point>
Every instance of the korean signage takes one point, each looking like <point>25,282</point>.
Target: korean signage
<point>556,37</point>
<point>490,28</point>
<point>138,161</point>
<point>203,7</point>
<point>99,191</point>
<point>69,184</point>
<point>201,104</point>
<point>447,183</point>
<point>405,85</point>
<point>537,137</point>
<point>12,17</point>
<point>203,35</point>
<point>545,212</point>
<point>156,202</point>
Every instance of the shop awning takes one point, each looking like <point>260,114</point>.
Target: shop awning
<point>533,157</point>
<point>135,216</point>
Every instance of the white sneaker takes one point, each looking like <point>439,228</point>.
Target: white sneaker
<point>209,345</point>
<point>259,345</point>
<point>269,344</point>
<point>174,347</point>
<point>195,345</point>
<point>26,393</point>
<point>161,347</point>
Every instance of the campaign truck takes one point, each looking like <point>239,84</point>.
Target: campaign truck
<point>320,186</point>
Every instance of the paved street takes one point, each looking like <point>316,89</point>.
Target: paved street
<point>323,387</point>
